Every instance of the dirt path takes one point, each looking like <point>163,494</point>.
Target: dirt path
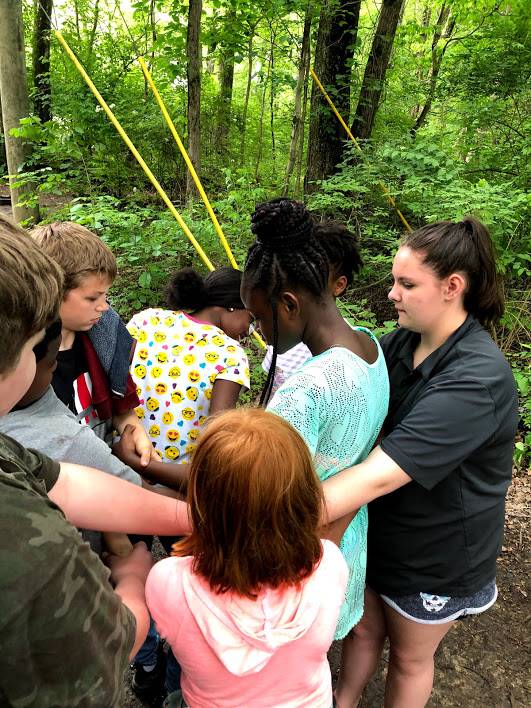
<point>484,661</point>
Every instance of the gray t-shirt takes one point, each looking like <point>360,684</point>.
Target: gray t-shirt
<point>50,427</point>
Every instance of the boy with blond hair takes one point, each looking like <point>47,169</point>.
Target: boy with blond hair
<point>65,635</point>
<point>92,376</point>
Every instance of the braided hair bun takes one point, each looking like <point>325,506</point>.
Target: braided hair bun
<point>282,225</point>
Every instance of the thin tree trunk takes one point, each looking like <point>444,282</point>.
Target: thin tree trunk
<point>300,159</point>
<point>297,129</point>
<point>193,53</point>
<point>93,30</point>
<point>247,91</point>
<point>15,101</point>
<point>436,62</point>
<point>376,68</point>
<point>261,122</point>
<point>334,50</point>
<point>41,60</point>
<point>272,98</point>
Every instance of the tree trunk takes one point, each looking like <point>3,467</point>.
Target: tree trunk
<point>261,121</point>
<point>376,68</point>
<point>297,130</point>
<point>336,39</point>
<point>225,98</point>
<point>15,101</point>
<point>193,53</point>
<point>41,60</point>
<point>272,97</point>
<point>300,158</point>
<point>247,92</point>
<point>436,62</point>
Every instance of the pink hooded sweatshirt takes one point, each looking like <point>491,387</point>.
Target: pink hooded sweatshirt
<point>235,652</point>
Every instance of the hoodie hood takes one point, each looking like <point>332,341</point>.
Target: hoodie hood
<point>243,633</point>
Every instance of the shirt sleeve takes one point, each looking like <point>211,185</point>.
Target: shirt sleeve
<point>446,425</point>
<point>162,598</point>
<point>300,407</point>
<point>89,450</point>
<point>235,367</point>
<point>62,621</point>
<point>39,465</point>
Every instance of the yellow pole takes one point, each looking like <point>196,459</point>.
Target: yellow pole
<point>135,152</point>
<point>189,164</point>
<point>384,189</point>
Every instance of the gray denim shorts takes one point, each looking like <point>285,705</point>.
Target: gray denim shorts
<point>426,608</point>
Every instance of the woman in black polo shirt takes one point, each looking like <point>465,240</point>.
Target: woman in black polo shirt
<point>438,479</point>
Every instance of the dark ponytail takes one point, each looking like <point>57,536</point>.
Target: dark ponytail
<point>464,247</point>
<point>187,290</point>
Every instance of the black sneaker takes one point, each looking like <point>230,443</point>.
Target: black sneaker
<point>149,685</point>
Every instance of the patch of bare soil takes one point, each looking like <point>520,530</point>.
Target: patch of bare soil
<point>484,660</point>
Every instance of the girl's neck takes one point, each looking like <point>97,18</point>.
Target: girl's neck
<point>434,338</point>
<point>210,315</point>
<point>326,328</point>
<point>67,339</point>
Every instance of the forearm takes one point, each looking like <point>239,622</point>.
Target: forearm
<point>128,418</point>
<point>93,499</point>
<point>172,476</point>
<point>352,488</point>
<point>131,592</point>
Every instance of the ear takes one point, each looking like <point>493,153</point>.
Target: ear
<point>339,285</point>
<point>290,303</point>
<point>455,286</point>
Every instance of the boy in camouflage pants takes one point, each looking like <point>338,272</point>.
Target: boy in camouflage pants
<point>66,636</point>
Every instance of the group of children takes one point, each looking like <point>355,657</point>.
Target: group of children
<point>252,597</point>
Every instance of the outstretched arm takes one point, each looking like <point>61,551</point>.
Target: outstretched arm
<point>358,485</point>
<point>92,499</point>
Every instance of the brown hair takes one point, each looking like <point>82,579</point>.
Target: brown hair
<point>31,287</point>
<point>255,502</point>
<point>77,250</point>
<point>464,247</point>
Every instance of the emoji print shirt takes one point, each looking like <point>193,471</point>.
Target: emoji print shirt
<point>177,359</point>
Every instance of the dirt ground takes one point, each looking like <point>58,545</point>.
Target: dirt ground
<point>484,661</point>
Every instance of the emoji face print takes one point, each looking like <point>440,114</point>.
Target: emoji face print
<point>174,372</point>
<point>212,377</point>
<point>154,320</point>
<point>143,354</point>
<point>138,391</point>
<point>202,419</point>
<point>133,331</point>
<point>176,349</point>
<point>189,337</point>
<point>230,361</point>
<point>162,357</point>
<point>161,388</point>
<point>190,448</point>
<point>169,321</point>
<point>201,343</point>
<point>189,359</point>
<point>194,376</point>
<point>154,431</point>
<point>167,418</point>
<point>192,393</point>
<point>152,404</point>
<point>171,452</point>
<point>212,357</point>
<point>156,371</point>
<point>193,434</point>
<point>142,336</point>
<point>208,394</point>
<point>188,413</point>
<point>217,340</point>
<point>139,413</point>
<point>140,371</point>
<point>172,435</point>
<point>231,348</point>
<point>159,336</point>
<point>177,397</point>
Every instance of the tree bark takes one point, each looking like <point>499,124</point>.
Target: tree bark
<point>15,101</point>
<point>247,92</point>
<point>193,53</point>
<point>376,68</point>
<point>41,60</point>
<point>336,39</point>
<point>297,130</point>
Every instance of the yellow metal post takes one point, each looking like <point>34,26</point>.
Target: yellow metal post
<point>384,189</point>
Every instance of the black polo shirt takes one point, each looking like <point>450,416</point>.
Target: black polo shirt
<point>450,427</point>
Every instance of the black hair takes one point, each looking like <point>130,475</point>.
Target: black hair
<point>341,247</point>
<point>188,290</point>
<point>466,247</point>
<point>285,253</point>
<point>51,333</point>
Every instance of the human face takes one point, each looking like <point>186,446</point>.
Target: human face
<point>43,375</point>
<point>15,383</point>
<point>289,331</point>
<point>417,293</point>
<point>235,322</point>
<point>83,306</point>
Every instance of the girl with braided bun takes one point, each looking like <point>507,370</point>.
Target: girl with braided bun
<point>338,399</point>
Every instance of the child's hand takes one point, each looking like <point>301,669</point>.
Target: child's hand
<point>135,566</point>
<point>126,451</point>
